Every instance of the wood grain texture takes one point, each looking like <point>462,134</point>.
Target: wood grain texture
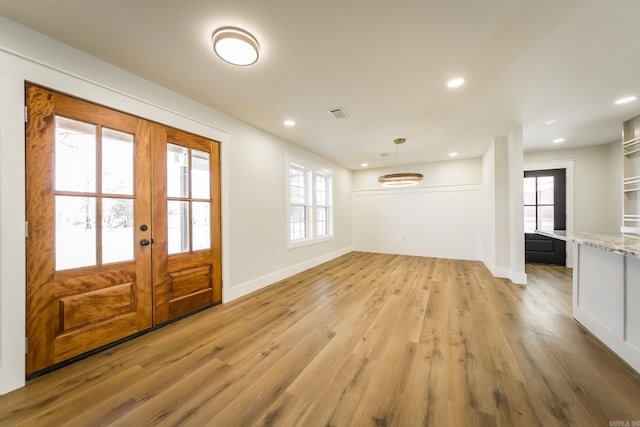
<point>70,312</point>
<point>363,340</point>
<point>173,299</point>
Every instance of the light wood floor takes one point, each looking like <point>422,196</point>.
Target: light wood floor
<point>366,339</point>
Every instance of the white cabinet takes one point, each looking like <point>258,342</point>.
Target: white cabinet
<point>606,291</point>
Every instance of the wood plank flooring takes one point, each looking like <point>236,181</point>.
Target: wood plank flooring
<point>363,340</point>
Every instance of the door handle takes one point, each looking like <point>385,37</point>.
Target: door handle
<point>144,242</point>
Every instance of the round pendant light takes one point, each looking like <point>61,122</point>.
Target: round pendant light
<point>400,179</point>
<point>404,179</point>
<point>235,46</point>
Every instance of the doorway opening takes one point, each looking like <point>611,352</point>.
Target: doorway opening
<point>545,210</point>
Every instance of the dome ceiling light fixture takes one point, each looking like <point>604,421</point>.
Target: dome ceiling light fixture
<point>235,46</point>
<point>404,179</point>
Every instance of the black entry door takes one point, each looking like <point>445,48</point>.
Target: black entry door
<point>544,209</point>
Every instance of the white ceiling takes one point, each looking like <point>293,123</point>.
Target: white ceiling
<point>385,62</point>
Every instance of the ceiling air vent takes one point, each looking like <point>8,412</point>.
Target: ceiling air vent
<point>337,113</point>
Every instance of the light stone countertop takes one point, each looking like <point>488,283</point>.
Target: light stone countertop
<point>626,244</point>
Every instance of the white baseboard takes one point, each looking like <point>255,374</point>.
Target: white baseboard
<point>402,251</point>
<point>505,273</point>
<point>231,293</point>
<point>518,278</point>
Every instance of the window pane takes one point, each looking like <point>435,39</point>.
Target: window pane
<point>177,171</point>
<point>178,226</point>
<point>200,175</point>
<point>545,217</point>
<point>117,162</point>
<point>75,232</point>
<point>545,190</point>
<point>321,221</point>
<point>529,219</point>
<point>75,153</point>
<point>529,190</point>
<point>297,185</point>
<point>321,190</point>
<point>297,221</point>
<point>201,225</point>
<point>117,230</point>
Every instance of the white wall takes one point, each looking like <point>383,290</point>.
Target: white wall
<point>503,229</point>
<point>253,180</point>
<point>441,217</point>
<point>597,205</point>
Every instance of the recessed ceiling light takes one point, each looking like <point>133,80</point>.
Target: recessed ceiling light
<point>235,46</point>
<point>558,141</point>
<point>289,123</point>
<point>453,154</point>
<point>625,100</point>
<point>550,122</point>
<point>458,81</point>
<point>364,165</point>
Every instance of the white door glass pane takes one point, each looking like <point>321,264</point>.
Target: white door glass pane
<point>117,230</point>
<point>200,177</point>
<point>529,190</point>
<point>177,171</point>
<point>75,156</point>
<point>545,217</point>
<point>75,232</point>
<point>529,219</point>
<point>201,225</point>
<point>117,162</point>
<point>178,226</point>
<point>545,190</point>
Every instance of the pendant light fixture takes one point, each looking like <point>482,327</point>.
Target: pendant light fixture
<point>404,179</point>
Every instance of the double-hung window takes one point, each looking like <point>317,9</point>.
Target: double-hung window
<point>310,202</point>
<point>323,205</point>
<point>299,203</point>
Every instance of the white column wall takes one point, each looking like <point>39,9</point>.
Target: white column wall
<point>516,208</point>
<point>503,210</point>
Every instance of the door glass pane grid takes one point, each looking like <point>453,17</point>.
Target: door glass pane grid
<point>75,155</point>
<point>117,162</point>
<point>538,204</point>
<point>76,243</point>
<point>92,227</point>
<point>188,199</point>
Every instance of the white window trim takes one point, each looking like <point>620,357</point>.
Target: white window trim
<point>314,169</point>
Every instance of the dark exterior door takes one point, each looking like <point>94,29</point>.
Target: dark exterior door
<point>544,209</point>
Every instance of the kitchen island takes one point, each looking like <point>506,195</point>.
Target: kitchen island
<point>606,289</point>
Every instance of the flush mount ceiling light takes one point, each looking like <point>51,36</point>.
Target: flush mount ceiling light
<point>235,46</point>
<point>404,179</point>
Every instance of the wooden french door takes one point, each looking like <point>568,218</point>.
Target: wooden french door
<point>103,262</point>
<point>186,222</point>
